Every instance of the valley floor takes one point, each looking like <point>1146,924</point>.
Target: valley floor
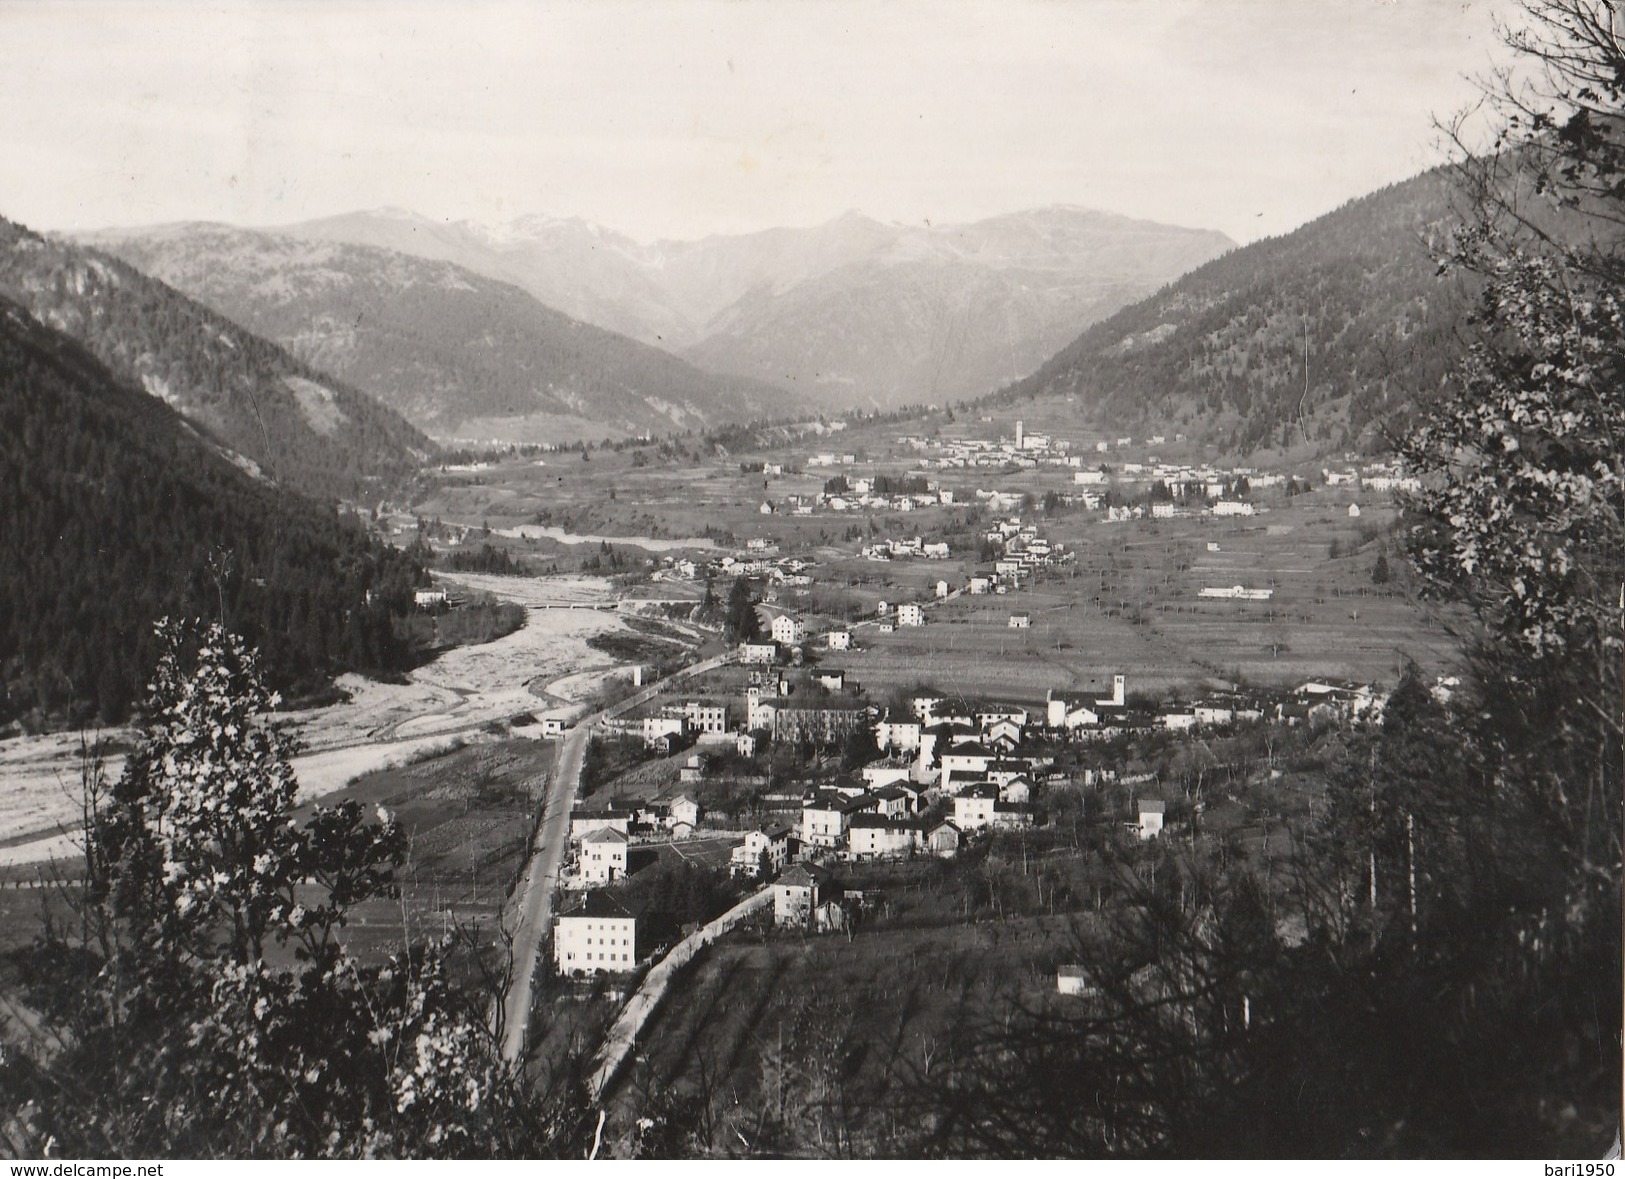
<point>542,668</point>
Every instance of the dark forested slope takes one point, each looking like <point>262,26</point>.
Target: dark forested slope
<point>286,420</point>
<point>118,512</point>
<point>1220,354</point>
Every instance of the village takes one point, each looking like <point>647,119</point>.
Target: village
<point>947,770</point>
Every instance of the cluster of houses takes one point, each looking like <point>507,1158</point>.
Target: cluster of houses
<point>860,495</point>
<point>947,770</point>
<point>903,550</point>
<point>760,559</point>
<point>604,837</point>
<point>1379,476</point>
<point>1024,450</point>
<point>1023,554</point>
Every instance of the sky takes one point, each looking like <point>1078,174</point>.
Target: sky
<point>681,118</point>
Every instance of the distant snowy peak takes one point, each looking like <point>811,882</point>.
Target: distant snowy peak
<point>534,228</point>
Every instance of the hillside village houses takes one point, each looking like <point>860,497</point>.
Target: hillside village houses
<point>975,768</point>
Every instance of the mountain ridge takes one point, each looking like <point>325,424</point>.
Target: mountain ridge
<point>448,348</point>
<point>282,418</point>
<point>1219,352</point>
<point>747,304</point>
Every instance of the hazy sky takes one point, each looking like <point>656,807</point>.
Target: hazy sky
<point>678,119</point>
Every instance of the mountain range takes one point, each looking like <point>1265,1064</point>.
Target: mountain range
<point>1328,336</point>
<point>1325,337</point>
<point>853,312</point>
<point>279,418</point>
<point>461,355</point>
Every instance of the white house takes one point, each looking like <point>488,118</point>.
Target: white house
<point>652,728</point>
<point>583,821</point>
<point>1017,789</point>
<point>1020,621</point>
<point>758,652</point>
<point>1067,712</point>
<point>839,640</point>
<point>974,808</point>
<point>825,817</point>
<point>878,836</point>
<point>1003,734</point>
<point>704,716</point>
<point>1073,980</point>
<point>773,843</point>
<point>967,758</point>
<point>885,772</point>
<point>787,630</point>
<point>684,812</point>
<point>603,855</point>
<point>601,935</point>
<point>426,599</point>
<point>1151,812</point>
<point>898,735</point>
<point>910,614</point>
<point>800,893</point>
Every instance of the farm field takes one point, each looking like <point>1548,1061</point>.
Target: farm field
<point>1132,604</point>
<point>819,1033</point>
<point>467,812</point>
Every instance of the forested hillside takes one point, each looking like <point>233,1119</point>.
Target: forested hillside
<point>118,513</point>
<point>1220,354</point>
<point>457,353</point>
<point>287,421</point>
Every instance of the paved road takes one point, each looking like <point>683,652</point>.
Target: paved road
<point>534,901</point>
<point>532,912</point>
